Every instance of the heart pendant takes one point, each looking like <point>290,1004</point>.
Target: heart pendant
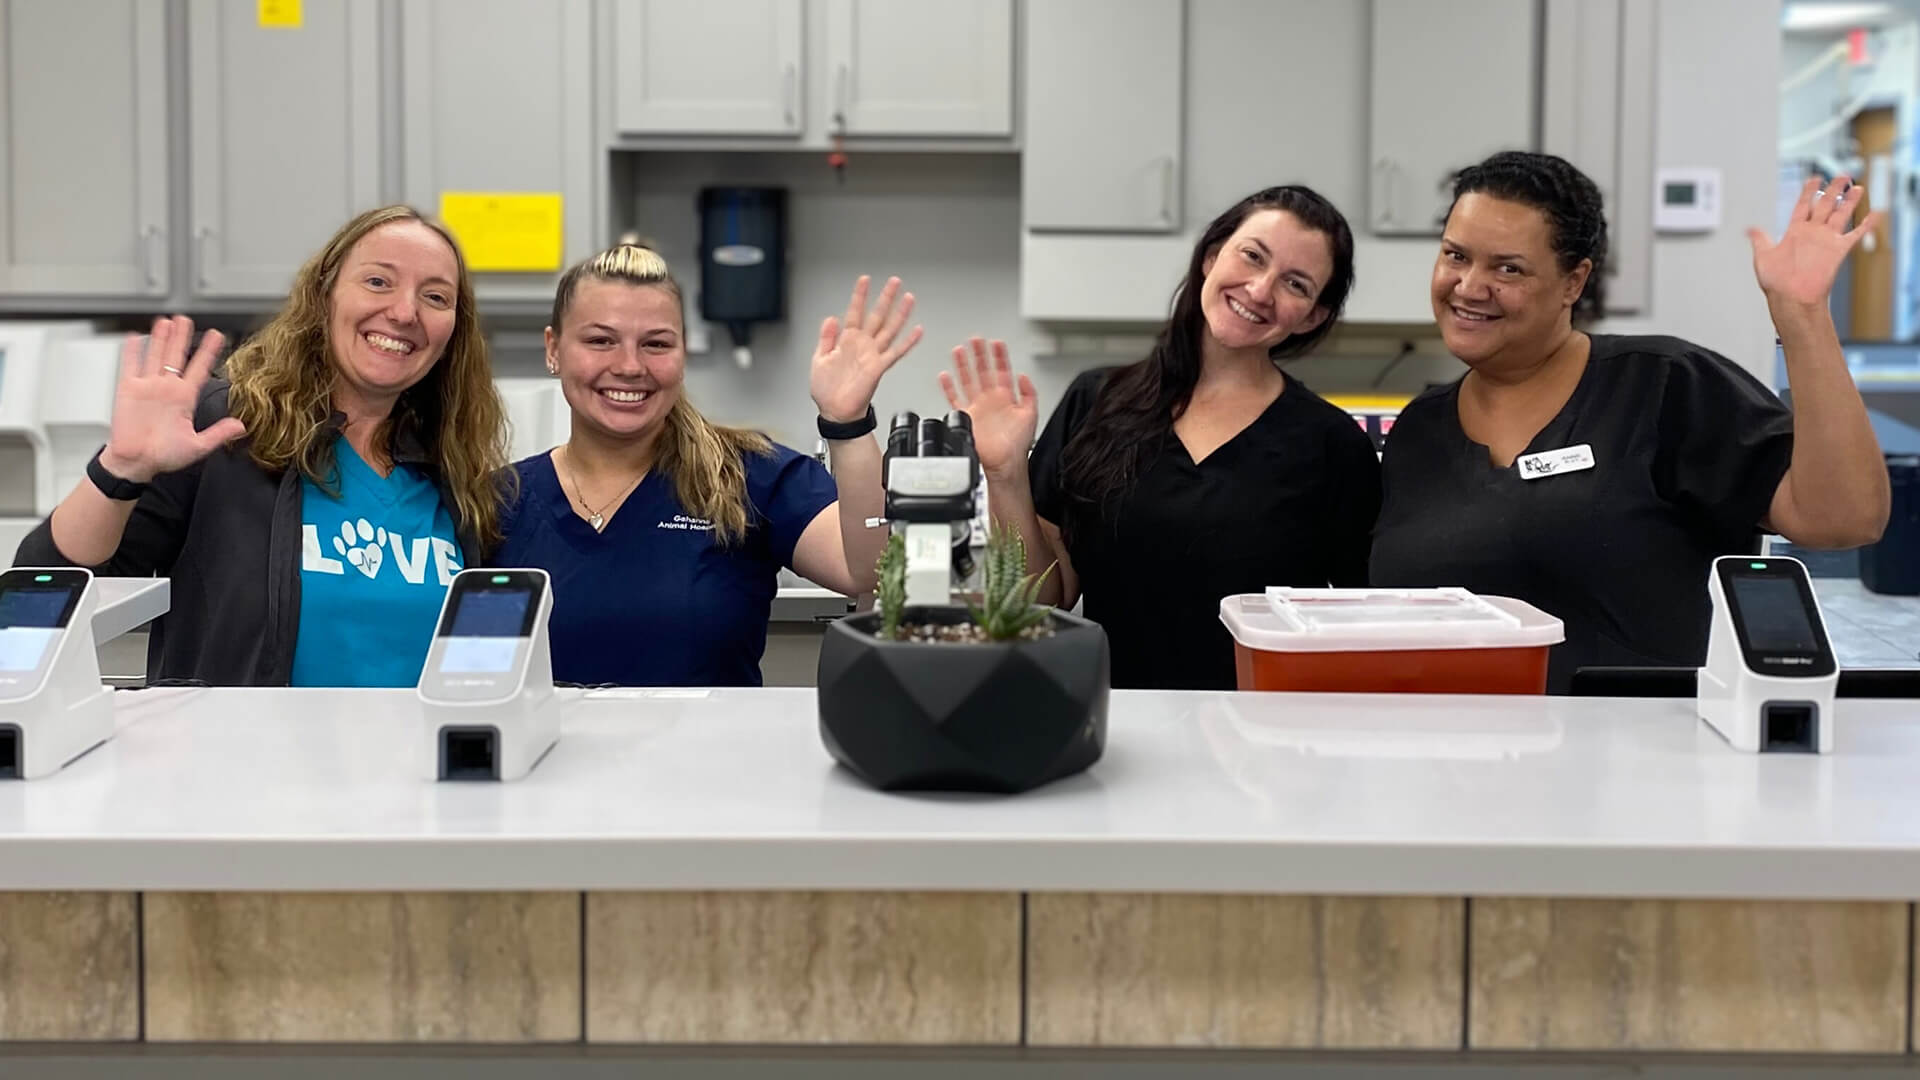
<point>597,522</point>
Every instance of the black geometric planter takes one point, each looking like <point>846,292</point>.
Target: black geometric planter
<point>1002,717</point>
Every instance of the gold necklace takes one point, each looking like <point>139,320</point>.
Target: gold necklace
<point>594,517</point>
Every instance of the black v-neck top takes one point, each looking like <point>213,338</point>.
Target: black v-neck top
<point>1688,450</point>
<point>1289,500</point>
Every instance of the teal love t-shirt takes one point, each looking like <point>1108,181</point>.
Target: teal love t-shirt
<point>375,564</point>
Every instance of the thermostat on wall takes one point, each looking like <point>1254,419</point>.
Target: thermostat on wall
<point>1686,200</point>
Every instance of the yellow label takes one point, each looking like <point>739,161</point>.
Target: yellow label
<point>505,230</point>
<point>280,14</point>
<point>1368,402</point>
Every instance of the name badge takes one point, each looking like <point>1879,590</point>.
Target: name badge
<point>1554,462</point>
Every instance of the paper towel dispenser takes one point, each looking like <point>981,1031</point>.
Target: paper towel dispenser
<point>743,260</point>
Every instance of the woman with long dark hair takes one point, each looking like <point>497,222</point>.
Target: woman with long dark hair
<point>1202,470</point>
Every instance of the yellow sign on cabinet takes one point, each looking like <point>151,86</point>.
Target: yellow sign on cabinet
<point>280,14</point>
<point>506,230</point>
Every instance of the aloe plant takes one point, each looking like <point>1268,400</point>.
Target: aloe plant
<point>892,590</point>
<point>1007,608</point>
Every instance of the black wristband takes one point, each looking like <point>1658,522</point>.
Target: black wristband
<point>851,430</point>
<point>113,487</point>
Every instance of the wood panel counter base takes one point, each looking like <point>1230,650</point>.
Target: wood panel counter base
<point>800,967</point>
<point>363,967</point>
<point>69,967</point>
<point>1245,971</point>
<point>1695,975</point>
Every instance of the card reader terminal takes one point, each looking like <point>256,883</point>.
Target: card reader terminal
<point>487,686</point>
<point>1770,676</point>
<point>53,707</point>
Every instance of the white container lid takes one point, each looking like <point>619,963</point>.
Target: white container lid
<point>1382,620</point>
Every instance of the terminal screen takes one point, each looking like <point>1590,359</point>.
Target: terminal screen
<point>44,606</point>
<point>490,613</point>
<point>483,628</point>
<point>1775,616</point>
<point>35,607</point>
<point>22,648</point>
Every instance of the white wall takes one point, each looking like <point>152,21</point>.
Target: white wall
<point>947,224</point>
<point>1717,87</point>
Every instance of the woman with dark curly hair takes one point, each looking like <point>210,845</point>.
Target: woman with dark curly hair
<point>1597,476</point>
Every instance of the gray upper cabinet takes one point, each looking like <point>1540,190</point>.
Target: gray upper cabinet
<point>1437,105</point>
<point>470,129</point>
<point>708,67</point>
<point>921,67</point>
<point>285,138</point>
<point>83,148</point>
<point>1596,110</point>
<point>1104,87</point>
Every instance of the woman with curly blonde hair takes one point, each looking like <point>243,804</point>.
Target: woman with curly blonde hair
<point>311,506</point>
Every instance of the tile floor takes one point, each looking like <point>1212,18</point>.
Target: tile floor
<point>1868,629</point>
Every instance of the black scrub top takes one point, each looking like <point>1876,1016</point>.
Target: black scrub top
<point>1290,500</point>
<point>1688,449</point>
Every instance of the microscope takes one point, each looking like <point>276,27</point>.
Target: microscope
<point>931,473</point>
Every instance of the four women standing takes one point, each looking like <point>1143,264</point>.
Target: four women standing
<point>1593,475</point>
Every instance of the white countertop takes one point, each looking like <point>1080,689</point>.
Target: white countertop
<point>807,603</point>
<point>126,604</point>
<point>731,789</point>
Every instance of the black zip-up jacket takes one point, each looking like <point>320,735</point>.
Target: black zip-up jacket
<point>227,534</point>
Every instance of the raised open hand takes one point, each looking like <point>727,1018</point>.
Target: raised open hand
<point>1003,410</point>
<point>153,403</point>
<point>854,353</point>
<point>1800,268</point>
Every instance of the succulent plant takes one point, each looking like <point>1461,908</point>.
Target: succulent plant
<point>892,590</point>
<point>1007,608</point>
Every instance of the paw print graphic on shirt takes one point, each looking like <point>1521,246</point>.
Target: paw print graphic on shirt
<point>360,543</point>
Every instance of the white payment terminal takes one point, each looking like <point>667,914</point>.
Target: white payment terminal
<point>1770,677</point>
<point>487,688</point>
<point>53,707</point>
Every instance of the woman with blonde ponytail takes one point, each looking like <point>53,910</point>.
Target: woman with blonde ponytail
<point>664,532</point>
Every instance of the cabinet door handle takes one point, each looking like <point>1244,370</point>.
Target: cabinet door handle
<point>792,94</point>
<point>149,244</point>
<point>200,236</point>
<point>842,81</point>
<point>1166,190</point>
<point>1383,170</point>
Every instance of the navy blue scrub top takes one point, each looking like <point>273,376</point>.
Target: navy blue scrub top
<point>1688,449</point>
<point>653,600</point>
